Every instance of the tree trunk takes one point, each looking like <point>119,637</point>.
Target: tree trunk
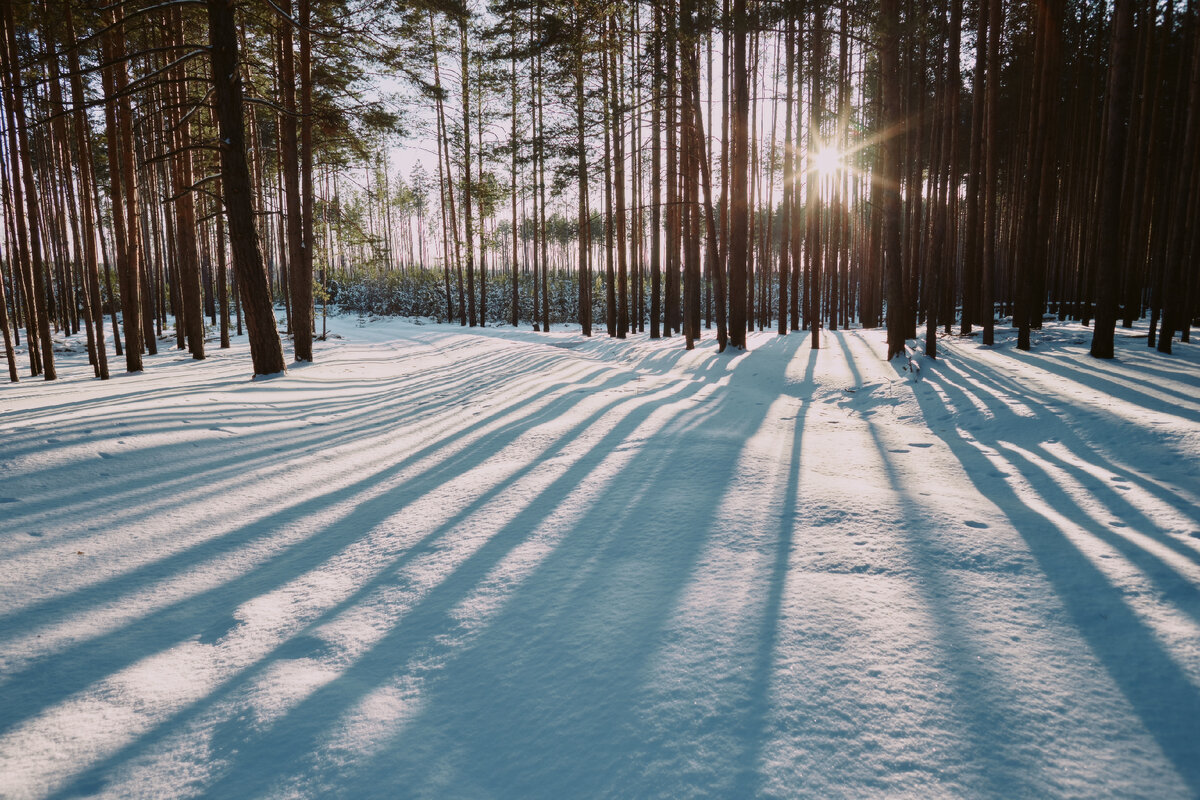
<point>971,244</point>
<point>656,178</point>
<point>266,351</point>
<point>515,311</point>
<point>739,213</point>
<point>889,179</point>
<point>618,131</point>
<point>302,270</point>
<point>1176,309</point>
<point>991,143</point>
<point>1108,268</point>
<point>86,194</point>
<point>23,187</point>
<point>468,232</point>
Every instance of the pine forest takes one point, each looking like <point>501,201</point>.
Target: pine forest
<point>599,398</point>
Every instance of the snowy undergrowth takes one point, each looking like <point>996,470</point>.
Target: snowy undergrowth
<point>443,562</point>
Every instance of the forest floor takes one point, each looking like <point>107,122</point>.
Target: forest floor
<point>448,563</point>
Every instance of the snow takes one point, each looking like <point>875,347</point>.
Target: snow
<point>442,562</point>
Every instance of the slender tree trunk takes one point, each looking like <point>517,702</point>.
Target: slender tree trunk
<point>582,269</point>
<point>302,270</point>
<point>739,152</point>
<point>468,233</point>
<point>1108,269</point>
<point>618,130</point>
<point>610,289</point>
<point>710,226</point>
<point>447,176</point>
<point>541,163</point>
<point>1176,308</point>
<point>813,240</point>
<point>789,176</point>
<point>190,312</point>
<point>656,178</point>
<point>515,310</point>
<point>86,194</point>
<point>991,215</point>
<point>889,179</point>
<point>971,244</point>
<point>24,188</point>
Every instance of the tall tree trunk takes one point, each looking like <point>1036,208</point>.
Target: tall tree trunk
<point>991,215</point>
<point>739,213</point>
<point>789,176</point>
<point>710,222</point>
<point>480,199</point>
<point>540,88</point>
<point>618,130</point>
<point>515,310</point>
<point>468,232</point>
<point>23,187</point>
<point>302,270</point>
<point>185,210</point>
<point>123,195</point>
<point>889,179</point>
<point>83,149</point>
<point>656,178</point>
<point>266,351</point>
<point>1176,308</point>
<point>1108,269</point>
<point>446,179</point>
<point>971,243</point>
<point>610,289</point>
<point>813,239</point>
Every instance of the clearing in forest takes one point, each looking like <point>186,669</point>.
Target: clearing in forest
<point>443,562</point>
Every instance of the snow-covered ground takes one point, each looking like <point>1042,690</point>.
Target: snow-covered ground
<point>454,563</point>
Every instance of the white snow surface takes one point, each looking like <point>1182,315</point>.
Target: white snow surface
<point>485,563</point>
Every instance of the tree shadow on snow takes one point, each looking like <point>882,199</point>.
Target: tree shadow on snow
<point>1164,697</point>
<point>582,574</point>
<point>551,697</point>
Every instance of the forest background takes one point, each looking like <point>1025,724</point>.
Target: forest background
<point>799,165</point>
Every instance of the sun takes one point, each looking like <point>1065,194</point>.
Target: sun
<point>826,162</point>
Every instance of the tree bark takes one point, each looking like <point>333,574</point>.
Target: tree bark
<point>266,350</point>
<point>1108,268</point>
<point>739,213</point>
<point>889,179</point>
<point>23,187</point>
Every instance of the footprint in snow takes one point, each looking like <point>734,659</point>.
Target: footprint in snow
<point>970,523</point>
